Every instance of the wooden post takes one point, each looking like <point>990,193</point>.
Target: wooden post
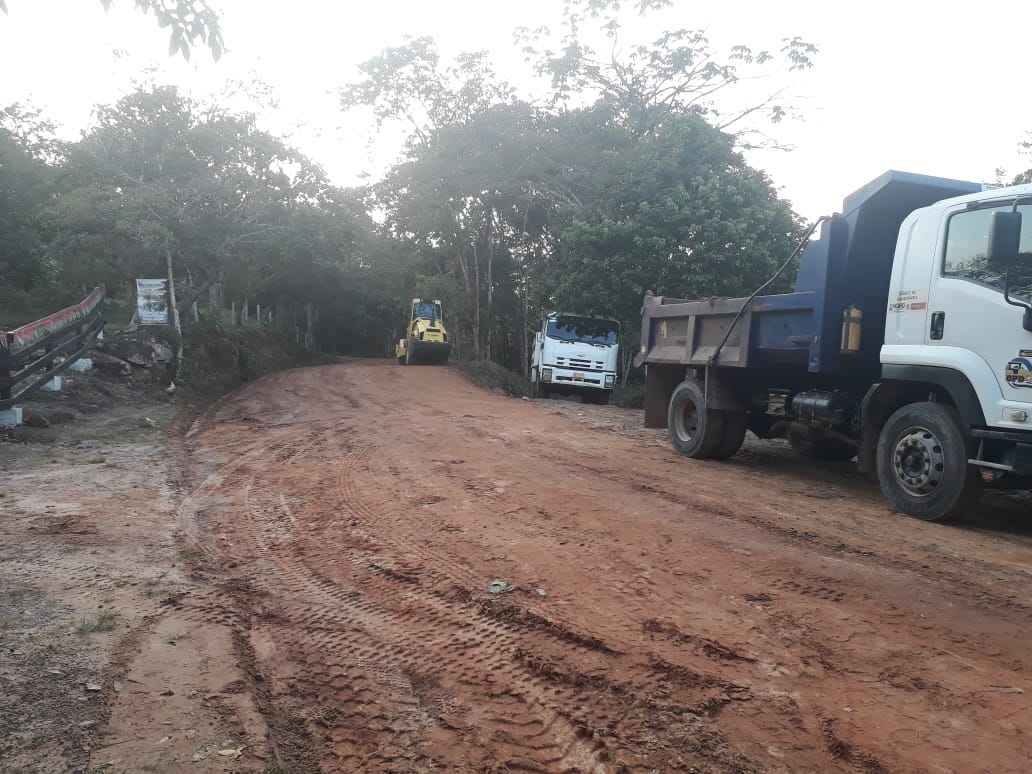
<point>175,310</point>
<point>5,365</point>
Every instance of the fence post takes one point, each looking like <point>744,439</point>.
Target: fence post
<point>5,365</point>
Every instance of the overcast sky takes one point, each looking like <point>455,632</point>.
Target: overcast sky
<point>920,86</point>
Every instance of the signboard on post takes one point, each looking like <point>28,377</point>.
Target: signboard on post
<point>152,301</point>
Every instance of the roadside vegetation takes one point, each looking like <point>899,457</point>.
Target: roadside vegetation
<point>629,177</point>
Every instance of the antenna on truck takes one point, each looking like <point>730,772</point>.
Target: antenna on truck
<point>799,247</point>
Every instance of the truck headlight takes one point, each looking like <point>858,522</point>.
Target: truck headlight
<point>546,374</point>
<point>610,381</point>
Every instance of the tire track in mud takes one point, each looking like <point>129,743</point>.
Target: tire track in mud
<point>701,502</point>
<point>344,545</point>
<point>355,629</point>
<point>341,609</point>
<point>445,664</point>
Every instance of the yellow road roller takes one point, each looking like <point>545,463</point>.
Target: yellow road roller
<point>426,340</point>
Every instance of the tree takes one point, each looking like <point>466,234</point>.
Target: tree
<point>1026,176</point>
<point>188,21</point>
<point>678,212</point>
<point>677,72</point>
<point>26,182</point>
<point>507,207</point>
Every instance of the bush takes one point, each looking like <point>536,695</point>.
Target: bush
<point>494,377</point>
<point>631,396</point>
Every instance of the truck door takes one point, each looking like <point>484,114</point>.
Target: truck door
<point>966,306</point>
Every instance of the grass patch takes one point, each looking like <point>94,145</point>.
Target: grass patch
<point>104,621</point>
<point>494,377</point>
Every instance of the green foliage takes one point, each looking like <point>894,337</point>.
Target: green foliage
<point>104,621</point>
<point>1026,148</point>
<point>678,72</point>
<point>630,180</point>
<point>188,21</point>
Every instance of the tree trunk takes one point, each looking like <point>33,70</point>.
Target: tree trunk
<point>215,302</point>
<point>476,302</point>
<point>490,286</point>
<point>526,328</point>
<point>175,311</point>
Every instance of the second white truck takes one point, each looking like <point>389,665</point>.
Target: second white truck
<point>575,355</point>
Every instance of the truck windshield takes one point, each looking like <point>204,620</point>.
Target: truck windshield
<point>584,329</point>
<point>426,309</point>
<point>967,243</point>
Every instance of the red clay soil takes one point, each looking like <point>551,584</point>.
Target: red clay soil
<point>763,614</point>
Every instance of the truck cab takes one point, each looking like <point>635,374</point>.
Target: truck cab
<point>575,355</point>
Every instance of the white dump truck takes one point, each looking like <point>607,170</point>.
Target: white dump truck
<point>575,354</point>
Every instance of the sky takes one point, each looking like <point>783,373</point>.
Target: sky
<point>912,85</point>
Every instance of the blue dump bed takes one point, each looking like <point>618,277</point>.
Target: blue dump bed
<point>849,265</point>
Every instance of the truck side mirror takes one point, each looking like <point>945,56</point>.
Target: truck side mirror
<point>535,327</point>
<point>1004,238</point>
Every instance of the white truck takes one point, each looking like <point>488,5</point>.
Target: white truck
<point>907,344</point>
<point>575,354</point>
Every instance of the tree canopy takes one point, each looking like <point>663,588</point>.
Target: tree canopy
<point>188,21</point>
<point>628,178</point>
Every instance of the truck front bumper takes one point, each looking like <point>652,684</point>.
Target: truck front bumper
<point>568,377</point>
<point>1004,450</point>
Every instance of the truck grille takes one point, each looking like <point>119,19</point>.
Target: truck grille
<point>584,365</point>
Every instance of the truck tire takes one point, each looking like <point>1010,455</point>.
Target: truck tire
<point>829,449</point>
<point>922,463</point>
<point>602,398</point>
<point>734,434</point>
<point>694,431</point>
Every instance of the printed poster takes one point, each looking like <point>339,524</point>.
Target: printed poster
<point>152,301</point>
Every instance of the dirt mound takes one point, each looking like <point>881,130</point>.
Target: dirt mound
<point>136,369</point>
<point>217,360</point>
<point>494,377</point>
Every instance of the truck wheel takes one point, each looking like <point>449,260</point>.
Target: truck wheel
<point>734,434</point>
<point>602,398</point>
<point>922,463</point>
<point>830,449</point>
<point>694,430</point>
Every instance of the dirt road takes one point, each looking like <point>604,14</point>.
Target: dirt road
<point>298,582</point>
<point>757,615</point>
